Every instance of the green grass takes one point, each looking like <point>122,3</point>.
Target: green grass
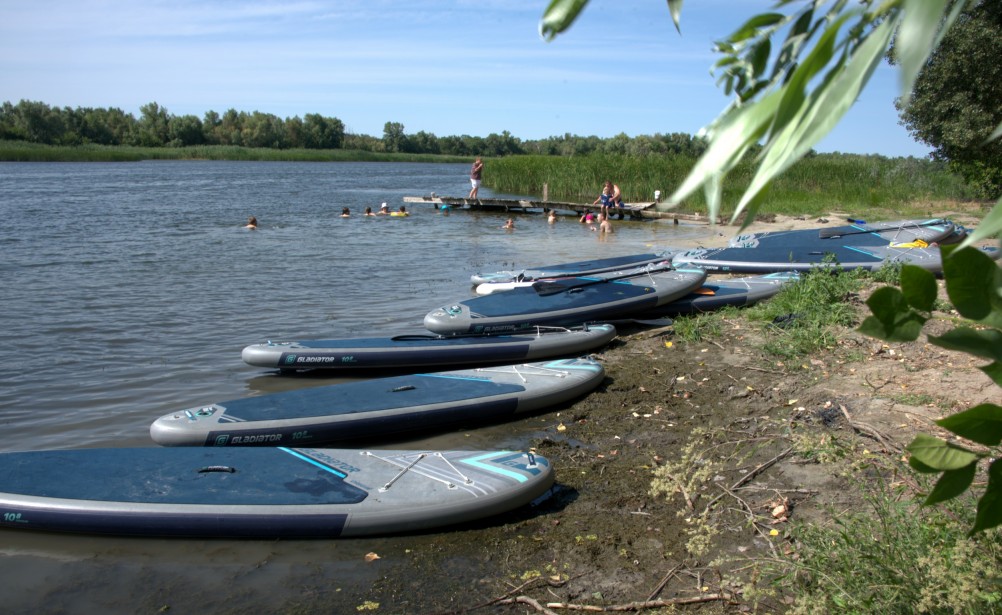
<point>807,315</point>
<point>893,556</point>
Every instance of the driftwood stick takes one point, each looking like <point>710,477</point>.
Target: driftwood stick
<point>663,583</point>
<point>867,430</point>
<point>640,606</point>
<point>527,600</point>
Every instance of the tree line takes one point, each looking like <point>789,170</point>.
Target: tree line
<point>37,122</point>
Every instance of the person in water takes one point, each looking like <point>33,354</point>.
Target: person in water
<point>604,224</point>
<point>251,223</point>
<point>384,210</point>
<point>345,212</point>
<point>509,225</point>
<point>368,211</point>
<point>552,218</point>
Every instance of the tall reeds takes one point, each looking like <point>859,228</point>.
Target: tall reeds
<point>819,183</point>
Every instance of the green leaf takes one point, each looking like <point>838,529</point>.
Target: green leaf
<point>951,484</point>
<point>993,371</point>
<point>732,134</point>
<point>559,16</point>
<point>984,343</point>
<point>973,281</point>
<point>990,505</point>
<point>916,39</point>
<point>892,319</point>
<point>814,118</point>
<point>920,467</point>
<point>919,287</point>
<point>940,454</point>
<point>675,8</point>
<point>759,56</point>
<point>751,27</point>
<point>990,226</point>
<point>981,424</point>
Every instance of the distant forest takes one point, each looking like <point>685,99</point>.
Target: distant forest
<point>37,122</point>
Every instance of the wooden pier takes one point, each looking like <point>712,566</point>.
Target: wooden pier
<point>633,210</point>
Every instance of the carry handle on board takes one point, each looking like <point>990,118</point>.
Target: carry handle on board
<point>828,233</point>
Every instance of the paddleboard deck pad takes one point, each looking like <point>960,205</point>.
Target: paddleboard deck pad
<point>425,351</point>
<point>381,406</point>
<point>567,301</point>
<point>262,492</point>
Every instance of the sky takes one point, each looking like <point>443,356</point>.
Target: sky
<point>446,67</point>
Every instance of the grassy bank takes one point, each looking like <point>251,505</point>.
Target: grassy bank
<point>21,151</point>
<point>820,183</point>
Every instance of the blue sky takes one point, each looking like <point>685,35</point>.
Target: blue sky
<point>448,67</point>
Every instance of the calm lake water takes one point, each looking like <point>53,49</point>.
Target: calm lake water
<point>129,290</point>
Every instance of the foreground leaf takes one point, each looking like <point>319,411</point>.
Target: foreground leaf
<point>990,505</point>
<point>973,281</point>
<point>990,226</point>
<point>893,320</point>
<point>951,484</point>
<point>981,424</point>
<point>939,454</point>
<point>919,287</point>
<point>559,16</point>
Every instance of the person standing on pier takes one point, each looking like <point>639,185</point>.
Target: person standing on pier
<point>476,172</point>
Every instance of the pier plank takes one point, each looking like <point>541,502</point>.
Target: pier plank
<point>634,210</point>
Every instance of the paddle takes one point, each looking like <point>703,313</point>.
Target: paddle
<point>828,233</point>
<point>545,288</point>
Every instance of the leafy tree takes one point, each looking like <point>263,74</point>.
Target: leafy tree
<point>786,100</point>
<point>320,132</point>
<point>957,98</point>
<point>394,139</point>
<point>153,128</point>
<point>185,130</point>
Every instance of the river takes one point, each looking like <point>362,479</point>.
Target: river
<point>129,290</point>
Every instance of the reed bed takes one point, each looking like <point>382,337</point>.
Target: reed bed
<point>22,151</point>
<point>819,183</point>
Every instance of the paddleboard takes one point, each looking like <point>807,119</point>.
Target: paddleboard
<point>382,406</point>
<point>859,233</point>
<point>769,259</point>
<point>715,294</point>
<point>425,351</point>
<point>566,301</point>
<point>579,268</point>
<point>488,288</point>
<point>270,492</point>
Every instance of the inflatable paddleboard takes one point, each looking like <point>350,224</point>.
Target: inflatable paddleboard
<point>262,492</point>
<point>579,268</point>
<point>769,259</point>
<point>425,351</point>
<point>859,233</point>
<point>381,406</point>
<point>567,301</point>
<point>715,294</point>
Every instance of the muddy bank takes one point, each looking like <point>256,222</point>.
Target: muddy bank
<point>688,465</point>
